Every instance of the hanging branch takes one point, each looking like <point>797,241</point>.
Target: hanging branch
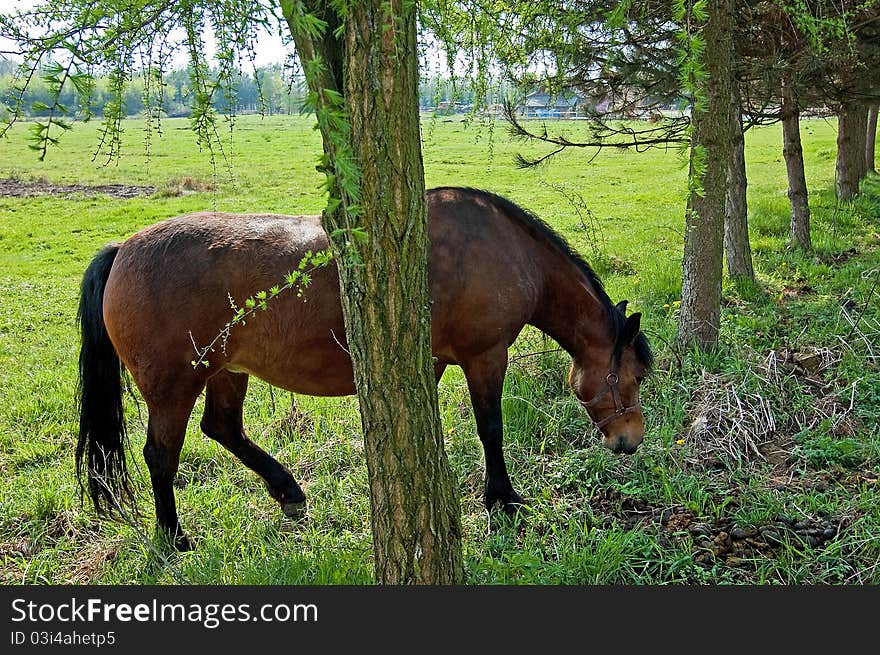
<point>604,135</point>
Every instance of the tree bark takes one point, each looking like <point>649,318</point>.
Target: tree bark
<point>871,139</point>
<point>385,300</point>
<point>793,154</point>
<point>736,225</point>
<point>852,130</point>
<point>702,263</point>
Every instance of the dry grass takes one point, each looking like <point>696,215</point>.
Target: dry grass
<point>740,421</point>
<point>805,370</point>
<point>183,186</point>
<point>730,420</point>
<point>91,561</point>
<point>863,336</point>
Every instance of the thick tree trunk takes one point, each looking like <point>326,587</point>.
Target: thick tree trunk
<point>852,130</point>
<point>385,301</point>
<point>871,139</point>
<point>736,225</point>
<point>793,154</point>
<point>704,221</point>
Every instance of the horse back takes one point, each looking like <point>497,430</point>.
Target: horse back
<point>175,285</point>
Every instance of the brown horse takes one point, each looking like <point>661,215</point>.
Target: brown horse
<point>493,268</point>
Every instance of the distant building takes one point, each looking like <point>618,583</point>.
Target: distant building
<point>561,105</point>
<point>446,108</point>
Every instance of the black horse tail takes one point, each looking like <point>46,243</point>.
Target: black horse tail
<point>100,449</point>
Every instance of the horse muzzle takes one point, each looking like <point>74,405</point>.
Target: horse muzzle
<point>622,444</point>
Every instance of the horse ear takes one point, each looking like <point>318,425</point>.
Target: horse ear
<point>631,328</point>
<point>621,307</point>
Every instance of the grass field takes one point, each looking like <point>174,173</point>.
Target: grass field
<point>760,463</point>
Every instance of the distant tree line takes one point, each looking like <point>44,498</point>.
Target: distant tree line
<point>267,90</point>
<point>448,93</point>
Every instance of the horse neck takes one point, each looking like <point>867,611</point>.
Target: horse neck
<point>568,312</point>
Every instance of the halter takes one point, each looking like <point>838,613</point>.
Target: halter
<point>611,381</point>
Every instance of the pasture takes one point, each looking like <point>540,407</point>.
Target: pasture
<point>760,462</point>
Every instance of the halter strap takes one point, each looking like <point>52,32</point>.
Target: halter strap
<point>611,381</point>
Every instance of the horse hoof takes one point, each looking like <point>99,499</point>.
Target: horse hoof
<point>294,509</point>
<point>516,507</point>
<point>184,544</point>
<point>511,504</point>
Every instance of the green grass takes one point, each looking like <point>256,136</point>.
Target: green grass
<point>596,517</point>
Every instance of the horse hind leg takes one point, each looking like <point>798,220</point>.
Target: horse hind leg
<point>223,422</point>
<point>166,430</point>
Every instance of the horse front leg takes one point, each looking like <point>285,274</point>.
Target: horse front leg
<point>485,379</point>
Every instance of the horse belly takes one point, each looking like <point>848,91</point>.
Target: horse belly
<point>309,362</point>
<point>333,380</point>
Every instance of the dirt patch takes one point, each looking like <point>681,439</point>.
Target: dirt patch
<point>85,564</point>
<point>833,402</point>
<point>20,548</point>
<point>777,451</point>
<point>797,291</point>
<point>839,258</point>
<point>721,540</point>
<point>13,188</point>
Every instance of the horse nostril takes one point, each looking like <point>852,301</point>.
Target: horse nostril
<point>623,447</point>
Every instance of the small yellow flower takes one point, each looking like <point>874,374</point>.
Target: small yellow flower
<point>679,441</point>
<point>666,306</point>
<point>783,264</point>
<point>677,303</point>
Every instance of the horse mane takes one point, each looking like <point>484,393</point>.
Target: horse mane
<point>540,230</point>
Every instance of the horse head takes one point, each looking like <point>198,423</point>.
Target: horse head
<point>606,381</point>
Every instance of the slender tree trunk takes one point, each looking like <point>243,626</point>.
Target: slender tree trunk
<point>862,142</point>
<point>385,301</point>
<point>736,225</point>
<point>794,165</point>
<point>852,130</point>
<point>702,263</point>
<point>871,139</point>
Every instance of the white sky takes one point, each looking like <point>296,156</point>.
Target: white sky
<point>269,48</point>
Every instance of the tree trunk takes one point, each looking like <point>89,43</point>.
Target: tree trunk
<point>736,225</point>
<point>794,165</point>
<point>871,139</point>
<point>861,144</point>
<point>704,221</point>
<point>382,253</point>
<point>852,130</point>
